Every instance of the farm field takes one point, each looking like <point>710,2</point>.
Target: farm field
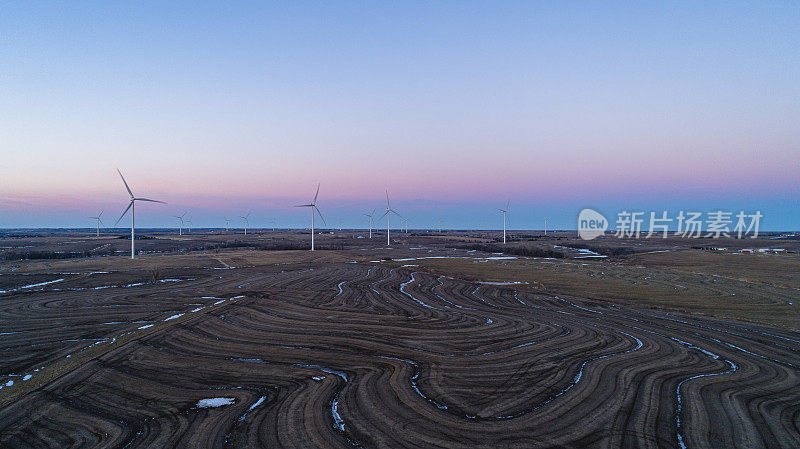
<point>220,340</point>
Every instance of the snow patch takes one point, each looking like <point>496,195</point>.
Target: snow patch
<point>214,402</point>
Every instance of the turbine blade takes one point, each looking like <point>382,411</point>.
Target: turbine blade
<point>101,213</point>
<point>320,214</point>
<point>387,200</point>
<point>126,184</point>
<point>146,199</point>
<point>384,214</point>
<point>395,212</point>
<point>304,205</point>
<point>123,214</point>
<point>508,203</point>
<point>316,194</point>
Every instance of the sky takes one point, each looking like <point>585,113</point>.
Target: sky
<point>455,108</point>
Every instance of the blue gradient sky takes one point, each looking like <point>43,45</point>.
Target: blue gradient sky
<point>455,107</point>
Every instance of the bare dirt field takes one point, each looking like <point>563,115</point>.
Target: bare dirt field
<point>443,340</point>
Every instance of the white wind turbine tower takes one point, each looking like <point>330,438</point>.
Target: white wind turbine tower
<point>504,211</point>
<point>273,225</point>
<point>227,224</point>
<point>98,221</point>
<point>386,214</point>
<point>545,226</point>
<point>313,207</point>
<point>180,225</point>
<point>244,217</point>
<point>370,221</point>
<point>132,207</point>
<point>189,225</point>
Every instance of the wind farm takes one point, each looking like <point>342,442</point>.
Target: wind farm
<point>641,292</point>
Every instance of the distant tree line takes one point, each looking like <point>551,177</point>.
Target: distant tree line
<point>514,250</point>
<point>38,255</point>
<point>610,251</point>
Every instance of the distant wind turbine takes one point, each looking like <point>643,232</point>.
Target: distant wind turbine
<point>545,226</point>
<point>504,211</point>
<point>244,217</point>
<point>189,225</point>
<point>370,221</point>
<point>386,214</point>
<point>313,206</point>
<point>180,225</point>
<point>132,207</point>
<point>227,224</point>
<point>98,221</point>
<point>440,225</point>
<point>273,225</point>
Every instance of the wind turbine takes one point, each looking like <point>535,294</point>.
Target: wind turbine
<point>313,207</point>
<point>189,225</point>
<point>98,221</point>
<point>370,221</point>
<point>180,226</point>
<point>440,225</point>
<point>245,221</point>
<point>545,226</point>
<point>132,207</point>
<point>386,214</point>
<point>273,225</point>
<point>504,211</point>
<point>227,224</point>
